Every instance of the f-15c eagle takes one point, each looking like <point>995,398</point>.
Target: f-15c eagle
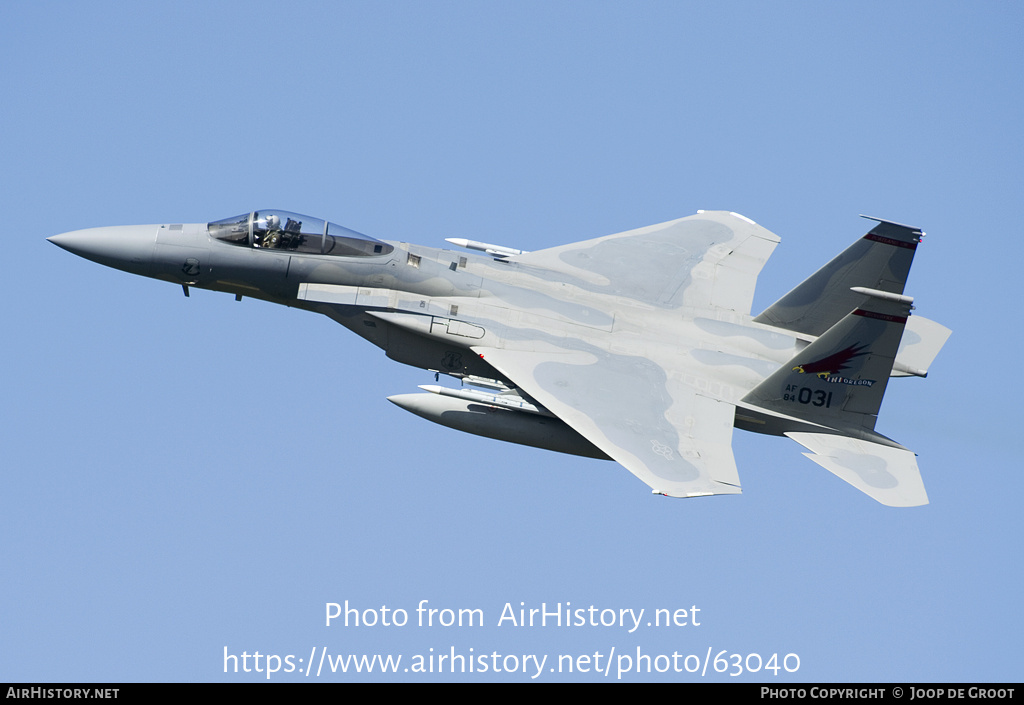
<point>639,347</point>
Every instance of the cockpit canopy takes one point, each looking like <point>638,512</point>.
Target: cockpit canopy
<point>291,232</point>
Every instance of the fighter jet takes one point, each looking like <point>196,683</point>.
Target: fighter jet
<point>638,347</point>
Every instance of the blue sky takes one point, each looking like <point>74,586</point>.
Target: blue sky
<point>166,495</point>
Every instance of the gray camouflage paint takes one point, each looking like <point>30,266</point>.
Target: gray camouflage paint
<point>641,343</point>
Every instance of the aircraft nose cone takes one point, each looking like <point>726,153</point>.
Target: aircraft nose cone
<point>127,247</point>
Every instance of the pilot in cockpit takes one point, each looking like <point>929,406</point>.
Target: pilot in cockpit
<point>272,238</point>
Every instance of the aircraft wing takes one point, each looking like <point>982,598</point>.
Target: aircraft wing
<point>664,432</point>
<point>710,259</point>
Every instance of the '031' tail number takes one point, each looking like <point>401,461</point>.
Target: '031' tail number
<point>805,395</point>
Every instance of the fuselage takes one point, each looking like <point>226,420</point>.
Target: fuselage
<point>426,306</point>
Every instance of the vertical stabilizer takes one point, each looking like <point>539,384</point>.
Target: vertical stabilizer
<point>880,260</point>
<point>838,380</point>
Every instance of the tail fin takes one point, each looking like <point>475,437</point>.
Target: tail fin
<point>880,260</point>
<point>838,380</point>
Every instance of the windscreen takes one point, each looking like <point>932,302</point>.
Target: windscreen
<point>292,232</point>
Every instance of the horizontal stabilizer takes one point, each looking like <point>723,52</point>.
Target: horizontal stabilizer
<point>887,474</point>
<point>921,343</point>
